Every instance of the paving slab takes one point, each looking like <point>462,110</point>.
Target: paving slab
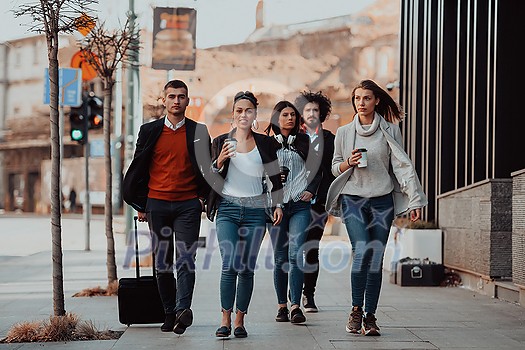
<point>410,317</point>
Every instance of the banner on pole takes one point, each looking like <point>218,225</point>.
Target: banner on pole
<point>174,38</point>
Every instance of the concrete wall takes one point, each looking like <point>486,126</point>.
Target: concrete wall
<point>518,227</point>
<point>477,225</point>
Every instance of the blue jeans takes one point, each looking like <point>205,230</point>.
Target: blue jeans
<point>180,220</point>
<point>368,222</point>
<point>288,241</point>
<point>240,230</point>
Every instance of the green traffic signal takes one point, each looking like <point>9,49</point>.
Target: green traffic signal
<point>78,125</point>
<point>85,117</point>
<point>77,135</point>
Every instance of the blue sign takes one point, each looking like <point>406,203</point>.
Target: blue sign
<point>69,87</point>
<point>96,148</point>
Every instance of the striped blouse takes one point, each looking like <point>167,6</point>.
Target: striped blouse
<point>296,181</point>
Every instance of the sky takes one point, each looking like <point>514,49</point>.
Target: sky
<point>219,22</point>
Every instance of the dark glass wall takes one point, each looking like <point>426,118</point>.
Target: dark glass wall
<point>460,86</point>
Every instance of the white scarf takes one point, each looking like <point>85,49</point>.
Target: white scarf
<point>361,131</point>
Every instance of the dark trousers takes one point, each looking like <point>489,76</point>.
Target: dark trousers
<point>180,220</point>
<point>315,233</point>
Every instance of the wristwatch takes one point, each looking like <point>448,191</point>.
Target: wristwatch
<point>214,167</point>
<point>279,205</point>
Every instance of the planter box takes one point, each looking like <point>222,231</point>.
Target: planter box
<point>420,243</point>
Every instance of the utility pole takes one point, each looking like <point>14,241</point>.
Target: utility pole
<point>130,109</point>
<point>117,140</point>
<point>86,211</point>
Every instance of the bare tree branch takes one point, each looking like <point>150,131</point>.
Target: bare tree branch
<point>44,14</point>
<point>104,50</point>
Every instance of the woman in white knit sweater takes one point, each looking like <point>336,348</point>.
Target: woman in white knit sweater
<point>369,195</point>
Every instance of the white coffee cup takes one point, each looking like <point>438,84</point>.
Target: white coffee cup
<point>232,145</point>
<point>363,162</point>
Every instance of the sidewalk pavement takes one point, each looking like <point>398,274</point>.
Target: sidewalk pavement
<point>409,317</point>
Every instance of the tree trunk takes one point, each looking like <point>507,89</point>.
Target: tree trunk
<point>108,211</point>
<point>56,216</point>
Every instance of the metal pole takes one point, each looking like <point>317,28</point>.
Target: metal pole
<point>61,141</point>
<point>87,205</point>
<point>130,111</point>
<point>117,140</point>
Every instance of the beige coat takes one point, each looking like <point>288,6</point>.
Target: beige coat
<point>408,193</point>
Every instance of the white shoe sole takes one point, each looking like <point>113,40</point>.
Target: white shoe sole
<point>348,330</point>
<point>371,332</point>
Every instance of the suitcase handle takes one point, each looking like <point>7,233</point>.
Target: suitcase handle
<point>137,263</point>
<point>137,266</point>
<point>416,272</point>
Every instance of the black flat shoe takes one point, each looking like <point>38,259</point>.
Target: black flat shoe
<point>240,332</point>
<point>223,332</point>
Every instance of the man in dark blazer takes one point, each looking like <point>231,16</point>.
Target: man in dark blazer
<point>315,108</point>
<point>166,184</point>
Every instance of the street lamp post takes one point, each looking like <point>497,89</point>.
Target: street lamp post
<point>130,109</point>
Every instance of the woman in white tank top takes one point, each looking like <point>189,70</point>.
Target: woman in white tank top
<point>238,204</point>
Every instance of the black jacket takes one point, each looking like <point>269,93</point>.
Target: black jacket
<point>135,184</point>
<point>324,146</point>
<point>271,167</point>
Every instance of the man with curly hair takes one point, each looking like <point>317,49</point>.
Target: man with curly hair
<point>315,107</point>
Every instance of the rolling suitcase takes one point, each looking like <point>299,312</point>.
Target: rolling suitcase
<point>138,298</point>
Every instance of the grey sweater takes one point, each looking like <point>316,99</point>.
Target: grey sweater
<point>408,193</point>
<point>373,180</point>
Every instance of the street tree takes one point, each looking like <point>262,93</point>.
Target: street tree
<point>52,17</point>
<point>104,50</point>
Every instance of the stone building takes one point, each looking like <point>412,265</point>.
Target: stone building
<point>275,62</point>
<point>24,121</point>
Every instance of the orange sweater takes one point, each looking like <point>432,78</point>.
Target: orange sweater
<point>171,174</point>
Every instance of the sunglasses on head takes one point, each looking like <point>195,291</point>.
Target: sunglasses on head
<point>248,95</point>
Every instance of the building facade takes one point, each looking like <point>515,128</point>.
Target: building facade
<point>460,79</point>
<point>25,143</point>
<point>275,62</point>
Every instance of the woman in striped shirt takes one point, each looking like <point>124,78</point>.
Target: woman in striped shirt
<point>300,185</point>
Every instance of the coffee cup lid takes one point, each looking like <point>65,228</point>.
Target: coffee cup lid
<point>362,149</point>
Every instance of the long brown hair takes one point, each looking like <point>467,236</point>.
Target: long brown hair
<point>387,107</point>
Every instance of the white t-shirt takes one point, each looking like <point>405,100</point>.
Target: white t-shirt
<point>245,172</point>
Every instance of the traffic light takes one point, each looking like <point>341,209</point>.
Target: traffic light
<point>95,112</point>
<point>87,116</point>
<point>78,124</point>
